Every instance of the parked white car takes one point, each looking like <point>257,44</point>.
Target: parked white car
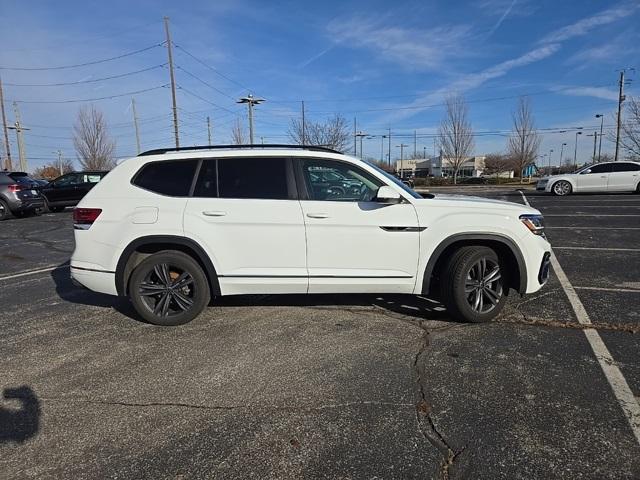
<point>172,228</point>
<point>621,176</point>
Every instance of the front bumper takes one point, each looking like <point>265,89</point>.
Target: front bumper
<point>545,267</point>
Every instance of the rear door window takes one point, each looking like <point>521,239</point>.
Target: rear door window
<point>172,178</point>
<point>625,167</point>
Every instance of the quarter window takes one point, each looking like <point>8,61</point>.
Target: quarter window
<point>172,178</point>
<point>339,181</point>
<point>625,167</point>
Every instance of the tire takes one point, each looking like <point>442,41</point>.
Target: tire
<point>56,209</point>
<point>170,306</point>
<point>561,188</point>
<point>4,210</point>
<point>471,292</point>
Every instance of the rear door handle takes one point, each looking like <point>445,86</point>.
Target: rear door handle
<point>318,215</point>
<point>210,213</point>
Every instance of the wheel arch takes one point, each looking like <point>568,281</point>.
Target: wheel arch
<point>142,247</point>
<point>503,245</point>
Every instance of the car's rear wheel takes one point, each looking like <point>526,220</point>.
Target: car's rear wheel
<point>561,188</point>
<point>474,284</point>
<point>169,288</point>
<point>4,210</point>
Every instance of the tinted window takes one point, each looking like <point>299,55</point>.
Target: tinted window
<point>70,179</point>
<point>625,167</point>
<point>22,179</point>
<point>602,168</point>
<point>339,181</point>
<point>171,178</point>
<point>248,178</point>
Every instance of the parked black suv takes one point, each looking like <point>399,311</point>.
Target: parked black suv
<point>18,195</point>
<point>68,189</point>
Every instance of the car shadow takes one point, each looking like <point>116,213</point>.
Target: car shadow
<point>21,423</point>
<point>67,290</point>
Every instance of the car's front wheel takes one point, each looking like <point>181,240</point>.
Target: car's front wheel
<point>169,288</point>
<point>474,285</point>
<point>561,188</point>
<point>4,210</point>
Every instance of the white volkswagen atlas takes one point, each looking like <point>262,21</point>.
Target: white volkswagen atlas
<point>172,228</point>
<point>602,177</point>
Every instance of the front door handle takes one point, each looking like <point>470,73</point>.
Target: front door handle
<point>318,215</point>
<point>210,213</point>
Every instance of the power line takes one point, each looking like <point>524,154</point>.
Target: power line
<point>203,82</point>
<point>79,82</point>
<point>180,87</point>
<point>80,100</point>
<point>64,67</point>
<point>211,68</point>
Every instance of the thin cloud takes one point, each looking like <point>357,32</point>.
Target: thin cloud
<point>585,25</point>
<point>595,92</point>
<point>425,49</point>
<point>315,57</point>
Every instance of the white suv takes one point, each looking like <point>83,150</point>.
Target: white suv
<point>172,228</point>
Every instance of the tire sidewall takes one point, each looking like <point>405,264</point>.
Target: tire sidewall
<point>4,210</point>
<point>560,182</point>
<point>183,261</point>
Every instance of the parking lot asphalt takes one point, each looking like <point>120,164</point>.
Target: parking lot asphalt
<point>324,386</point>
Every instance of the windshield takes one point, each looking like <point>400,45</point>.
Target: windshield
<point>395,180</point>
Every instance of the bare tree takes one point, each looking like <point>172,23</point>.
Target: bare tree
<point>497,163</point>
<point>630,134</point>
<point>524,142</point>
<point>238,134</point>
<point>333,133</point>
<point>94,147</point>
<point>455,134</point>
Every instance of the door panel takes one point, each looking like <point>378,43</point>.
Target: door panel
<point>349,251</point>
<point>624,177</point>
<point>596,180</point>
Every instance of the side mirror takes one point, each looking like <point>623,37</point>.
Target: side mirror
<point>586,171</point>
<point>386,194</point>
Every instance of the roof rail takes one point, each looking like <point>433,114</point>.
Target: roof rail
<point>315,148</point>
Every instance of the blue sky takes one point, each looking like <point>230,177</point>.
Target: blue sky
<point>390,64</point>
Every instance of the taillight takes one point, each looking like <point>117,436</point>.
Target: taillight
<point>15,187</point>
<point>83,218</point>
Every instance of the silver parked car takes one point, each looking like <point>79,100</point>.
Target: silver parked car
<point>19,195</point>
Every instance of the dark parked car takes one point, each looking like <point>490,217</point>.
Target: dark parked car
<point>18,195</point>
<point>68,190</point>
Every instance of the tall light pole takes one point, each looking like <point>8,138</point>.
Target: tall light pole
<point>7,165</point>
<point>550,152</point>
<point>402,145</point>
<point>59,153</point>
<point>424,153</point>
<point>209,130</point>
<point>561,152</point>
<point>575,151</point>
<point>250,100</point>
<point>382,137</point>
<point>389,148</point>
<point>595,143</point>
<point>601,117</point>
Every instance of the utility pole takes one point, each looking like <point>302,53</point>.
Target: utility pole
<point>355,137</point>
<point>361,135</point>
<point>135,124</point>
<point>424,153</point>
<point>415,144</point>
<point>173,82</point>
<point>304,127</point>
<point>250,100</point>
<point>59,152</point>
<point>209,130</point>
<point>382,137</point>
<point>595,143</point>
<point>550,152</point>
<point>389,148</point>
<point>601,117</point>
<point>621,98</point>
<point>19,128</point>
<point>575,151</point>
<point>8,164</point>
<point>402,145</point>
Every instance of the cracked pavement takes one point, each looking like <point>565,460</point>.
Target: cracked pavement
<point>316,386</point>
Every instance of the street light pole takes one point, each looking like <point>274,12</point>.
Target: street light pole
<point>389,148</point>
<point>402,145</point>
<point>361,135</point>
<point>575,151</point>
<point>550,152</point>
<point>601,117</point>
<point>250,100</point>
<point>382,148</point>
<point>561,152</point>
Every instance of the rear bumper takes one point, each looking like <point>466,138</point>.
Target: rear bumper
<point>95,279</point>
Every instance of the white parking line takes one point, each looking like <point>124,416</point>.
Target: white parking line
<point>621,390</point>
<point>605,289</point>
<point>32,272</point>
<point>599,248</point>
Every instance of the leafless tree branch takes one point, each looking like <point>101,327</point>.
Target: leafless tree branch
<point>455,134</point>
<point>94,147</point>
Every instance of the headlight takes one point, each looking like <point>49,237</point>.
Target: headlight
<point>535,223</point>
